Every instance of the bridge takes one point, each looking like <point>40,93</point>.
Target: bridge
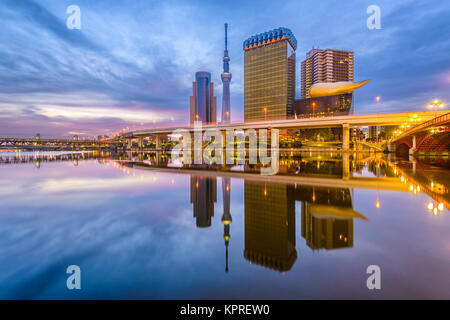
<point>429,137</point>
<point>346,122</point>
<point>38,143</point>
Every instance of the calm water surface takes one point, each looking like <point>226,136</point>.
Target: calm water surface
<point>140,226</point>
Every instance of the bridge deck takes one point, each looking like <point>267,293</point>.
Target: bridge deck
<point>382,119</point>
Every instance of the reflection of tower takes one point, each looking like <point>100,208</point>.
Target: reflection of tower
<point>327,217</point>
<point>226,218</point>
<point>226,79</point>
<point>203,196</point>
<point>269,225</point>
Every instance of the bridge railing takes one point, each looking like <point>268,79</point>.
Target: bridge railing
<point>430,123</point>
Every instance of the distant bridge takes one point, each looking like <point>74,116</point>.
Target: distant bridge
<point>35,143</point>
<point>346,122</point>
<point>432,136</point>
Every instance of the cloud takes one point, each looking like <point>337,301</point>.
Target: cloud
<point>135,62</point>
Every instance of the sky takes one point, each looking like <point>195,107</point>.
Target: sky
<point>132,63</point>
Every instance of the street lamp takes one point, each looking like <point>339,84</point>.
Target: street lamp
<point>435,105</point>
<point>415,119</point>
<point>378,110</point>
<point>314,109</point>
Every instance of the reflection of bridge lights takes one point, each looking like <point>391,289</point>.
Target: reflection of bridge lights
<point>377,204</point>
<point>435,208</point>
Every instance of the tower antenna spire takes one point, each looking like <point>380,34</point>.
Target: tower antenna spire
<point>226,36</point>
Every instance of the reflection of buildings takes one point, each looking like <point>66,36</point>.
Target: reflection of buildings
<point>226,218</point>
<point>327,221</point>
<point>269,75</point>
<point>269,226</point>
<point>203,196</point>
<point>327,217</point>
<point>203,101</point>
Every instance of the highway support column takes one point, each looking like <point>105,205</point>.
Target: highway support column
<point>345,137</point>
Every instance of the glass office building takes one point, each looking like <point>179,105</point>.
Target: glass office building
<point>203,102</point>
<point>269,75</point>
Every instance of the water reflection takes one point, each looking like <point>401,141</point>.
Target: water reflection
<point>203,197</point>
<point>310,207</point>
<point>269,225</point>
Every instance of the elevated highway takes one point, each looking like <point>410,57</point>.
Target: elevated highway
<point>346,122</point>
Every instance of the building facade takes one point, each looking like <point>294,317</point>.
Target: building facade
<point>226,79</point>
<point>325,66</point>
<point>330,105</point>
<point>203,102</point>
<point>269,75</point>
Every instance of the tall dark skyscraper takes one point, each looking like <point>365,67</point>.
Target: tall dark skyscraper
<point>203,102</point>
<point>226,79</point>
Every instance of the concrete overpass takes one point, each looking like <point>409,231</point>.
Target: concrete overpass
<point>346,122</point>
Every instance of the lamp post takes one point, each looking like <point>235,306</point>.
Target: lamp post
<point>378,104</point>
<point>378,110</point>
<point>415,119</point>
<point>314,109</point>
<point>435,105</point>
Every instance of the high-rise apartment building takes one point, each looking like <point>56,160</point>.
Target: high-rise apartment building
<point>325,66</point>
<point>203,102</point>
<point>269,75</point>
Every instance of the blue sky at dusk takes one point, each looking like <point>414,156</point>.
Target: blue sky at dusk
<point>133,62</point>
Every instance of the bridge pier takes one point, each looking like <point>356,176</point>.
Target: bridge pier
<point>129,143</point>
<point>157,142</point>
<point>345,137</point>
<point>140,142</point>
<point>413,145</point>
